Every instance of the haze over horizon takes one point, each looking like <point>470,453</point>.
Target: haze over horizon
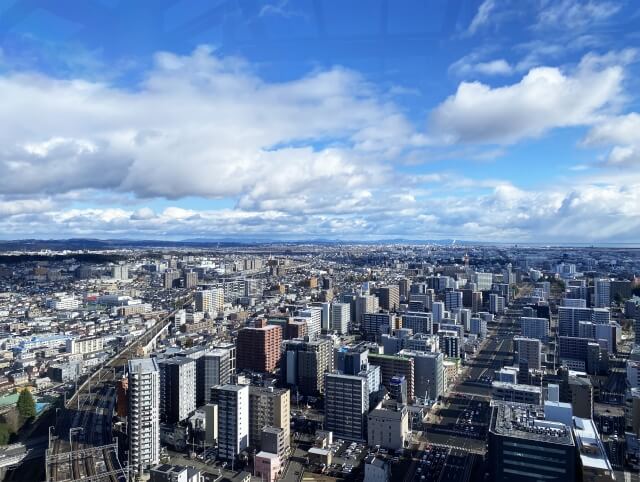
<point>475,120</point>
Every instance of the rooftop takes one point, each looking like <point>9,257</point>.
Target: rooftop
<point>527,422</point>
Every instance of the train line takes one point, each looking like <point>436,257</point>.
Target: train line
<point>89,454</point>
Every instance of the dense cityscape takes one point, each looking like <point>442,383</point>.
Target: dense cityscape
<point>319,240</point>
<point>320,362</point>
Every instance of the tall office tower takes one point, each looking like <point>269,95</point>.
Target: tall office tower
<point>305,363</point>
<point>346,406</point>
<point>437,310</point>
<point>340,317</point>
<point>120,271</point>
<point>483,281</point>
<point>607,333</point>
<point>375,324</point>
<point>418,322</point>
<point>177,389</point>
<point>569,319</point>
<point>496,304</point>
<point>169,277</point>
<point>476,301</point>
<point>217,370</point>
<point>259,347</point>
<point>535,328</point>
<point>573,302</point>
<point>389,297</point>
<point>601,293</point>
<point>365,304</point>
<point>601,316</point>
<point>268,407</point>
<point>428,370</point>
<point>577,289</point>
<point>403,287</point>
<point>143,413</point>
<point>190,279</point>
<point>392,365</point>
<point>453,300</point>
<point>478,327</point>
<point>209,301</point>
<point>313,317</point>
<point>465,318</point>
<point>519,433</point>
<point>233,419</point>
<point>529,349</point>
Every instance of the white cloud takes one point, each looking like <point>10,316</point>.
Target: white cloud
<point>481,17</point>
<point>575,14</point>
<point>469,66</point>
<point>582,210</point>
<point>544,99</point>
<point>198,125</point>
<point>621,132</point>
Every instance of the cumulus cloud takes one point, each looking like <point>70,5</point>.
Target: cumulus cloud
<point>545,98</point>
<point>621,132</point>
<point>198,125</point>
<point>583,211</point>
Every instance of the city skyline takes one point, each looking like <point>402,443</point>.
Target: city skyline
<point>472,120</point>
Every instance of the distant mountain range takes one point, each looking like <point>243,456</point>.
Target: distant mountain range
<point>97,244</point>
<point>226,242</point>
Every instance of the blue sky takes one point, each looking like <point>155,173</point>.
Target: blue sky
<point>489,120</point>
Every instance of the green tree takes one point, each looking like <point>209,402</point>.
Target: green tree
<point>5,434</point>
<point>26,404</point>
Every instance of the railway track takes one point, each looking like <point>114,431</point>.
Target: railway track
<point>89,425</point>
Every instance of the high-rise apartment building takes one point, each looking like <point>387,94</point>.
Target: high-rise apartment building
<point>120,272</point>
<point>313,318</point>
<point>393,365</point>
<point>340,317</point>
<point>190,279</point>
<point>305,363</point>
<point>532,327</point>
<point>233,419</point>
<point>143,413</point>
<point>365,304</point>
<point>177,389</point>
<point>389,297</point>
<point>529,349</point>
<point>217,370</point>
<point>259,347</point>
<point>346,406</point>
<point>268,407</point>
<point>602,293</point>
<point>209,301</point>
<point>428,368</point>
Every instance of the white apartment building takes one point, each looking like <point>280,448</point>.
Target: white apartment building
<point>144,414</point>
<point>340,317</point>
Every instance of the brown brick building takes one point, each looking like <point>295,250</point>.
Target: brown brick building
<point>259,347</point>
